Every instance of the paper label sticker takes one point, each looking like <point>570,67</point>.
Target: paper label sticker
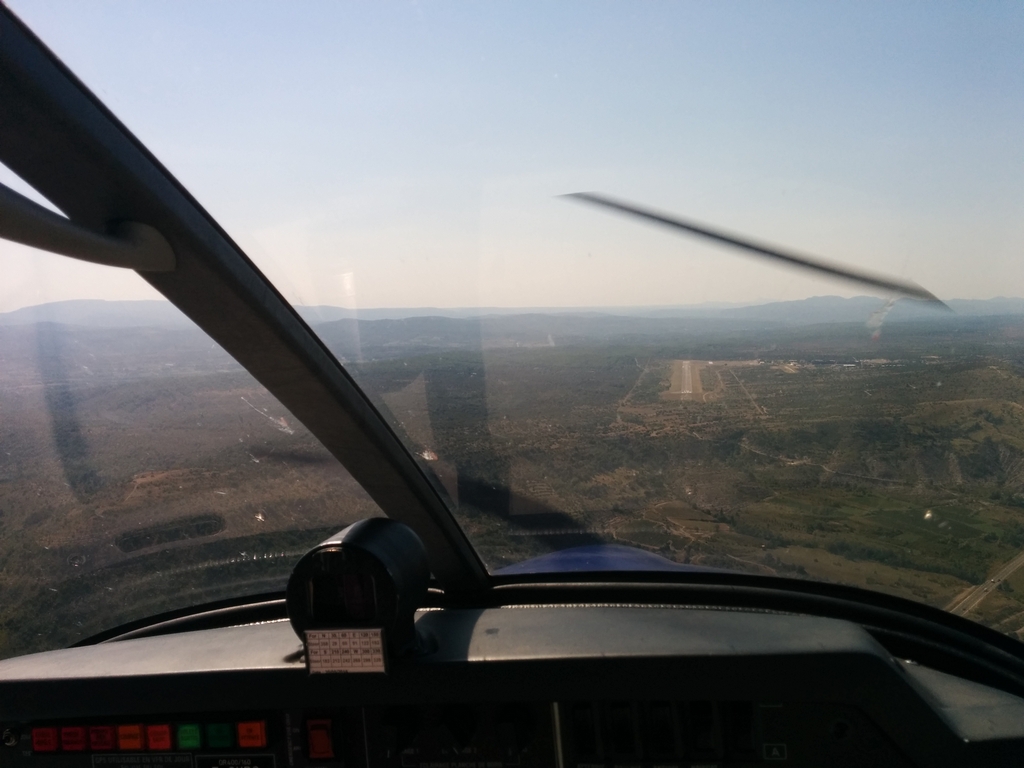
<point>345,650</point>
<point>235,761</point>
<point>143,760</point>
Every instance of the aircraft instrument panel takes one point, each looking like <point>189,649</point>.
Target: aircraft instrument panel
<point>568,687</point>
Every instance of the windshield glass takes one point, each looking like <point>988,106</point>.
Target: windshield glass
<point>142,470</point>
<point>572,376</point>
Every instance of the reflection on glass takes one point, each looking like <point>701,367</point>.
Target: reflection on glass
<point>746,439</point>
<point>142,470</point>
<point>570,378</point>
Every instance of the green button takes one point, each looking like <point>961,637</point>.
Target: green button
<point>189,736</point>
<point>220,736</point>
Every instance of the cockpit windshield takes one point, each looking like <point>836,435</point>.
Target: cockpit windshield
<point>142,470</point>
<point>565,375</point>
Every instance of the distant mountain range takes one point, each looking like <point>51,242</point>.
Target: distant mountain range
<point>818,309</point>
<point>100,314</point>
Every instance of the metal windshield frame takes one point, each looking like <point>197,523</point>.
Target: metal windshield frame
<point>60,139</point>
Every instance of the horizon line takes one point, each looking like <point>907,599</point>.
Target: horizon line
<point>579,307</point>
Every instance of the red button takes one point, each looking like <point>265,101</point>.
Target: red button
<point>44,739</point>
<point>252,734</point>
<point>158,737</point>
<point>101,738</point>
<point>72,738</point>
<point>321,746</point>
<point>129,737</point>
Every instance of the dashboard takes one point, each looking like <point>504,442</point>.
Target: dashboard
<point>534,685</point>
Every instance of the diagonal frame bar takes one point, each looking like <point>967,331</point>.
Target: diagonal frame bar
<point>57,136</point>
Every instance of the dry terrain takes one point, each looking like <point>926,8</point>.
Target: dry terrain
<point>142,471</point>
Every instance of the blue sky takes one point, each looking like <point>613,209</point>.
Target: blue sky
<point>410,154</point>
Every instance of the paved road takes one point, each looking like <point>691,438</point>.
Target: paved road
<point>966,603</point>
<point>682,378</point>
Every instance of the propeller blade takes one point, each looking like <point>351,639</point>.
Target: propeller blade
<point>902,287</point>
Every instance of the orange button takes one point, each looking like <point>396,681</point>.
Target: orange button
<point>252,733</point>
<point>72,738</point>
<point>44,739</point>
<point>101,738</point>
<point>321,745</point>
<point>129,737</point>
<point>158,737</point>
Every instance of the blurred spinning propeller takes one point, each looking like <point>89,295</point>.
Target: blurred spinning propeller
<point>889,284</point>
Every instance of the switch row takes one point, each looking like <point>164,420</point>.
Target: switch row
<point>158,737</point>
<point>599,732</point>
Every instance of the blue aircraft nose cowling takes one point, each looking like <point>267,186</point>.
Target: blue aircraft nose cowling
<point>597,558</point>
